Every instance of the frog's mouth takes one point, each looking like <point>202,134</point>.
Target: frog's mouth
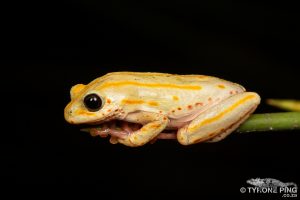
<point>120,129</point>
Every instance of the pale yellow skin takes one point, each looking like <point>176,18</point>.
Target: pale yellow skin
<point>202,108</point>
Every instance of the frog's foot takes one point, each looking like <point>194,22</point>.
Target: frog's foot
<point>165,136</point>
<point>121,129</point>
<point>116,129</point>
<point>105,130</point>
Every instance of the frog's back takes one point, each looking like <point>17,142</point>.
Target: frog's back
<point>163,80</point>
<point>140,82</point>
<point>165,90</point>
<point>153,77</point>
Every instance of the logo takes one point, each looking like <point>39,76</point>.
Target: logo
<point>270,186</point>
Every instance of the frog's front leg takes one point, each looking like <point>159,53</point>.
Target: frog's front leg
<point>220,120</point>
<point>154,124</point>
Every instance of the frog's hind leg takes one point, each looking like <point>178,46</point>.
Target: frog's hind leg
<point>216,123</point>
<point>229,130</point>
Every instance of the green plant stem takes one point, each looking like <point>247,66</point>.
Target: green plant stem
<point>271,122</point>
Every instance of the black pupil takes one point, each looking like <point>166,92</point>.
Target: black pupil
<point>92,102</point>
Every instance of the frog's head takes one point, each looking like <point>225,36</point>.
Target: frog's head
<point>89,106</point>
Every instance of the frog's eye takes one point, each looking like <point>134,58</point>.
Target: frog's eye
<point>92,102</point>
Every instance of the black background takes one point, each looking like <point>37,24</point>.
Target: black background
<point>50,46</point>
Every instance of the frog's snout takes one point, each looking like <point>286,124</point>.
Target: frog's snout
<point>68,114</point>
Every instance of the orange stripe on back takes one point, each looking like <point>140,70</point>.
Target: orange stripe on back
<point>153,103</point>
<point>152,85</point>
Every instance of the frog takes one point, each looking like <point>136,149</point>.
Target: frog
<point>136,108</point>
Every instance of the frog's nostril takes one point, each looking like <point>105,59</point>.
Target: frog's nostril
<point>69,117</point>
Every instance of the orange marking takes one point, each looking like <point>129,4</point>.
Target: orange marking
<point>82,112</point>
<point>165,118</point>
<point>231,92</point>
<point>221,114</point>
<point>128,101</point>
<point>154,126</point>
<point>199,104</point>
<point>221,86</point>
<point>109,110</point>
<point>108,101</point>
<point>190,107</point>
<point>153,85</point>
<point>152,103</point>
<point>175,98</point>
<point>179,108</point>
